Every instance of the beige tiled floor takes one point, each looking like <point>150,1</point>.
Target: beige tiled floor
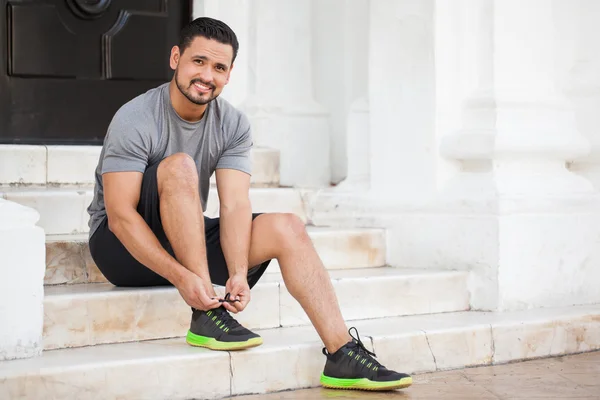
<point>574,377</point>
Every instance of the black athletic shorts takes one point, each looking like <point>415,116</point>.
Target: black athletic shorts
<point>121,269</point>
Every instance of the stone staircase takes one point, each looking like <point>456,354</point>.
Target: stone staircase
<point>103,342</point>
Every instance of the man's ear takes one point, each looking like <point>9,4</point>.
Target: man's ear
<point>174,59</point>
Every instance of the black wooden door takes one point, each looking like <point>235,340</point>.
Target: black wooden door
<point>66,66</point>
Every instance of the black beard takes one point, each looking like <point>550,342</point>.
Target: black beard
<point>187,94</point>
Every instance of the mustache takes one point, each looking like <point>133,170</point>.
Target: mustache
<point>210,85</point>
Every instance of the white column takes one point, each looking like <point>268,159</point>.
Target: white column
<point>467,238</point>
<point>401,99</point>
<point>539,219</point>
<point>515,115</point>
<point>400,106</point>
<point>548,216</point>
<point>341,48</point>
<point>536,129</point>
<point>281,106</point>
<point>340,43</point>
<point>22,268</point>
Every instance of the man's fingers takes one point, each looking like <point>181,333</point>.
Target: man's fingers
<point>244,300</point>
<point>230,308</point>
<point>209,306</point>
<point>239,305</point>
<point>208,302</point>
<point>238,296</point>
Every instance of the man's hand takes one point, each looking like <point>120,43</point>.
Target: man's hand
<point>238,289</point>
<point>195,293</point>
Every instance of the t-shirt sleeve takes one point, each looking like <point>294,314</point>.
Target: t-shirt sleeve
<point>127,146</point>
<point>237,153</point>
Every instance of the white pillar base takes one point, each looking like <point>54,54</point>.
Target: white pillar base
<point>302,137</point>
<point>22,246</point>
<point>521,253</point>
<point>548,259</point>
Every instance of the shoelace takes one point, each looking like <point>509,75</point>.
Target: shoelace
<point>359,348</point>
<point>227,299</point>
<point>226,319</point>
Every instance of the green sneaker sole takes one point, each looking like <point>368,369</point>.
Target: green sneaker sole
<point>364,383</point>
<point>213,344</point>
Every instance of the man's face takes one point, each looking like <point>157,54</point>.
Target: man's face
<point>203,70</point>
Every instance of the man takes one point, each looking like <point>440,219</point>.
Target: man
<point>147,226</point>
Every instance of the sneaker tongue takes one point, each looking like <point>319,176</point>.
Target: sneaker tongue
<point>356,346</point>
<point>225,316</point>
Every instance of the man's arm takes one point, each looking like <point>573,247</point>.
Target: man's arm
<point>235,215</point>
<point>121,196</point>
<point>236,218</point>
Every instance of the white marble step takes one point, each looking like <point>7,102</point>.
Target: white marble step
<point>64,210</point>
<point>89,314</point>
<point>26,164</point>
<point>68,257</point>
<point>291,358</point>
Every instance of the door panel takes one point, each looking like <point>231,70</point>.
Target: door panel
<point>46,55</point>
<point>68,65</point>
<point>122,63</point>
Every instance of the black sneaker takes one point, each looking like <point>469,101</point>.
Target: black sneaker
<point>218,330</point>
<point>353,367</point>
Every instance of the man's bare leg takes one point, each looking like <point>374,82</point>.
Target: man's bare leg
<point>283,236</point>
<point>181,213</point>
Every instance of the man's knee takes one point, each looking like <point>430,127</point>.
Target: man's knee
<point>177,171</point>
<point>289,227</point>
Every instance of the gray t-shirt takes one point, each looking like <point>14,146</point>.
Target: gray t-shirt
<point>147,129</point>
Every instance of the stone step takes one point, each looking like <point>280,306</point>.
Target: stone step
<point>291,358</point>
<point>68,259</point>
<point>64,210</point>
<point>81,315</point>
<point>58,165</point>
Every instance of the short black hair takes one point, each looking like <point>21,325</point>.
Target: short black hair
<point>208,28</point>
